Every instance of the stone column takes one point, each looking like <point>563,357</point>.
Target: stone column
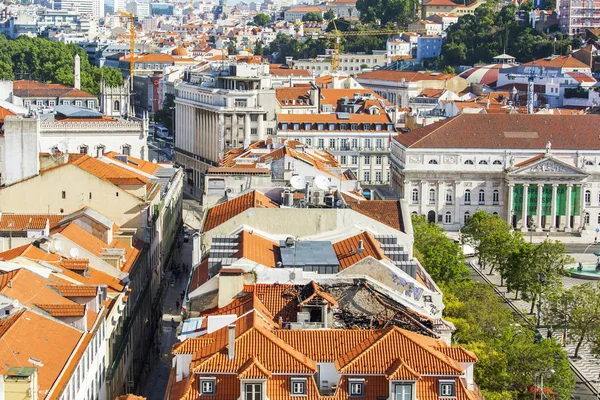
<point>568,226</point>
<point>247,139</point>
<point>509,211</point>
<point>458,219</point>
<point>441,198</point>
<point>423,197</point>
<point>554,205</point>
<point>539,209</point>
<point>525,204</point>
<point>581,206</point>
<point>261,128</point>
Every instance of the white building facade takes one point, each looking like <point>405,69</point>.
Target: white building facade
<point>538,172</point>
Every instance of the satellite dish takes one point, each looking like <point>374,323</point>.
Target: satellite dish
<point>62,146</point>
<point>298,182</point>
<point>58,245</point>
<point>321,182</point>
<point>74,252</point>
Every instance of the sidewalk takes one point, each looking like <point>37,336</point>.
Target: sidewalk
<point>587,366</point>
<point>159,375</point>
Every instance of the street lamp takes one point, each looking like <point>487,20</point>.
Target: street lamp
<point>547,373</point>
<point>541,277</point>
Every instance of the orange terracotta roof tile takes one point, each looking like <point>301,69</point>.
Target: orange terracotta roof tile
<point>459,353</point>
<point>258,249</point>
<point>408,76</point>
<point>281,300</point>
<point>63,310</point>
<point>29,89</point>
<point>7,113</point>
<point>347,250</point>
<point>530,160</point>
<point>556,61</point>
<point>30,288</point>
<point>388,212</point>
<point>76,290</point>
<point>316,343</point>
<point>394,342</point>
<point>253,369</point>
<point>75,264</point>
<point>311,291</point>
<point>130,397</point>
<point>49,342</point>
<point>191,345</point>
<point>22,222</point>
<point>221,213</point>
<point>399,370</point>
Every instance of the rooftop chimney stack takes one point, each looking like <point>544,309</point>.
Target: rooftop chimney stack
<point>231,345</point>
<point>77,72</point>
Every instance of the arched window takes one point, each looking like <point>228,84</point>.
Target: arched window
<point>448,217</point>
<point>432,162</point>
<point>496,196</point>
<point>467,196</point>
<point>116,106</point>
<point>483,162</point>
<point>431,196</point>
<point>494,213</point>
<point>481,196</point>
<point>414,213</point>
<point>588,197</point>
<point>467,215</point>
<point>497,162</point>
<point>415,196</point>
<point>589,163</point>
<point>449,196</point>
<point>468,162</point>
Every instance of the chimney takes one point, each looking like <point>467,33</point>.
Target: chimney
<point>231,341</point>
<point>10,283</point>
<point>77,72</point>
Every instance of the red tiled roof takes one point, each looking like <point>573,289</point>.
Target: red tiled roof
<point>558,62</point>
<point>221,213</point>
<point>30,89</point>
<point>7,113</point>
<point>397,76</point>
<point>76,290</point>
<point>347,250</point>
<point>388,212</point>
<point>63,310</point>
<point>507,131</point>
<point>22,222</point>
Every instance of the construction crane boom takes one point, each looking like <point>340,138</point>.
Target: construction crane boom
<point>131,19</point>
<point>337,35</point>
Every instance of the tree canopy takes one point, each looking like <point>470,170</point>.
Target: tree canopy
<point>312,17</point>
<point>261,19</point>
<point>509,354</point>
<point>399,12</point>
<point>487,33</point>
<point>48,61</point>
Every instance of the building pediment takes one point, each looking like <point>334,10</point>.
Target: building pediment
<point>546,166</point>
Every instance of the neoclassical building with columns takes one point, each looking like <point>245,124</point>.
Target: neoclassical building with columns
<point>539,172</point>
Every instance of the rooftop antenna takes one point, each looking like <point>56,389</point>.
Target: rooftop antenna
<point>530,88</point>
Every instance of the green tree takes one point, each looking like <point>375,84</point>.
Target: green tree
<point>400,12</point>
<point>329,15</point>
<point>166,115</point>
<point>576,310</point>
<point>258,48</point>
<point>440,256</point>
<point>262,19</point>
<point>232,46</point>
<point>312,17</point>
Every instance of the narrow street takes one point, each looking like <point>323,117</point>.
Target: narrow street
<point>159,375</point>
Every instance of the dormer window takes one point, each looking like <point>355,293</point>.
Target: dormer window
<point>331,127</point>
<point>283,126</point>
<point>366,127</point>
<point>298,386</point>
<point>307,126</point>
<point>356,387</point>
<point>342,127</point>
<point>447,388</point>
<point>208,386</point>
<point>296,126</point>
<point>320,127</point>
<point>253,391</point>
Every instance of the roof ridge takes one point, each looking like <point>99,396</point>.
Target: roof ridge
<point>442,123</point>
<point>429,349</point>
<point>285,347</point>
<point>375,338</point>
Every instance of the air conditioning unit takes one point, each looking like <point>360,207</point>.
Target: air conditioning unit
<point>318,198</point>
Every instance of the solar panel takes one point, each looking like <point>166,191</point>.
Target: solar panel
<point>316,256</point>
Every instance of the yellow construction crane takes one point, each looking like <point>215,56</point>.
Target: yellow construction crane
<point>131,19</point>
<point>337,36</point>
